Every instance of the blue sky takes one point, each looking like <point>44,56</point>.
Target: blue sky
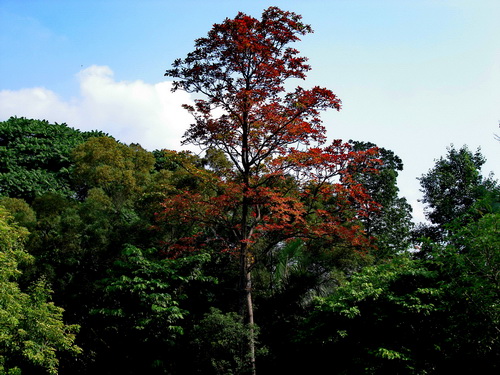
<point>414,76</point>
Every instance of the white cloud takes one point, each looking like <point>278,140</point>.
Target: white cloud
<point>149,114</point>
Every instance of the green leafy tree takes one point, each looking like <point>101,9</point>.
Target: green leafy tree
<point>35,157</point>
<point>411,316</point>
<point>391,225</point>
<point>120,171</point>
<point>374,321</point>
<point>75,245</point>
<point>141,311</point>
<point>22,212</point>
<point>32,331</point>
<point>469,264</point>
<point>452,187</point>
<point>125,301</point>
<point>220,340</point>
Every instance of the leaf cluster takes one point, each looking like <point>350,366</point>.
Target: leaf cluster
<point>35,157</point>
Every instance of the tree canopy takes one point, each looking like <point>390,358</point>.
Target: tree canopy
<point>35,156</point>
<point>31,327</point>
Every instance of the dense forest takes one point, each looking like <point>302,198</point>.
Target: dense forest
<point>269,252</point>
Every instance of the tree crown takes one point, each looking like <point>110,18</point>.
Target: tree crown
<point>241,68</point>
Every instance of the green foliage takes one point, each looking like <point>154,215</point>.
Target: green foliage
<point>56,238</point>
<point>391,225</point>
<point>431,311</point>
<point>35,157</point>
<point>173,161</point>
<point>77,245</point>
<point>453,185</point>
<point>217,161</point>
<point>32,331</point>
<point>120,171</point>
<point>221,340</point>
<point>289,259</point>
<point>141,309</point>
<point>21,211</point>
<point>419,316</point>
<point>374,320</point>
<point>294,272</point>
<point>375,282</point>
<point>149,288</point>
<point>470,266</point>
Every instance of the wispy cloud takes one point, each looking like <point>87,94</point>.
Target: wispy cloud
<point>149,114</point>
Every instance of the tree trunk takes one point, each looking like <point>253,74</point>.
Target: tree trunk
<point>246,292</point>
<point>245,253</point>
<point>249,304</point>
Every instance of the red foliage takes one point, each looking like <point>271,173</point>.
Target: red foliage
<point>285,182</point>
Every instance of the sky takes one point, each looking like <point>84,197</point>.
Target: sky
<point>414,76</point>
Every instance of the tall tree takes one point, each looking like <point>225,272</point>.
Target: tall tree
<point>271,137</point>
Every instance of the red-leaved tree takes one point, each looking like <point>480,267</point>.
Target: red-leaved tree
<point>283,182</point>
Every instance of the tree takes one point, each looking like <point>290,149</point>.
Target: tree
<point>391,225</point>
<point>409,315</point>
<point>453,186</point>
<point>35,157</point>
<point>21,211</point>
<point>274,141</point>
<point>373,321</point>
<point>141,311</point>
<point>32,331</point>
<point>470,267</point>
<point>76,242</point>
<point>218,339</point>
<point>121,171</point>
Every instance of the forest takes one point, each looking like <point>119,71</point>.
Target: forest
<point>271,251</point>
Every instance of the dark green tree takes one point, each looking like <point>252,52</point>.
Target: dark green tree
<point>220,339</point>
<point>77,241</point>
<point>452,187</point>
<point>416,316</point>
<point>35,157</point>
<point>391,225</point>
<point>22,212</point>
<point>142,311</point>
<point>373,322</point>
